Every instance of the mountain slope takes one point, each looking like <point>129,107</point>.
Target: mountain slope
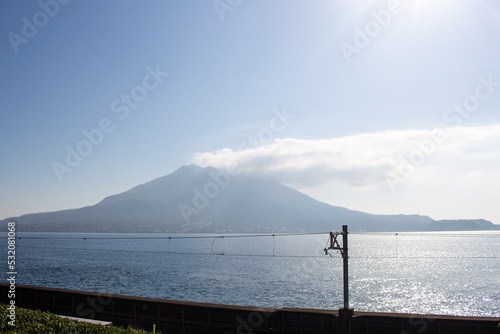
<point>462,225</point>
<point>195,199</point>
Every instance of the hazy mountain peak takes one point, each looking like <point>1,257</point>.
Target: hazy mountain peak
<point>197,199</point>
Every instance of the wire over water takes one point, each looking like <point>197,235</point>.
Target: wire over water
<point>223,253</point>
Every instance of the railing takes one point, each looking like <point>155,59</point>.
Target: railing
<point>189,317</point>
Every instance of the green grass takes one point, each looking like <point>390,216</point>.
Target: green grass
<point>30,321</point>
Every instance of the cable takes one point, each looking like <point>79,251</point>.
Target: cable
<point>267,255</point>
<point>212,246</point>
<point>182,237</point>
<point>216,237</point>
<point>424,257</point>
<point>459,234</point>
<point>181,253</point>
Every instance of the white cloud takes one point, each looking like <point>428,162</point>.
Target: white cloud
<point>366,159</point>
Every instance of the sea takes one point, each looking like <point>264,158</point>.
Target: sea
<point>452,273</point>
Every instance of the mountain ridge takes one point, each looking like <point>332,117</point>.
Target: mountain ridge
<point>196,199</point>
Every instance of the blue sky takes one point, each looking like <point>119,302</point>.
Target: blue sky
<point>390,106</point>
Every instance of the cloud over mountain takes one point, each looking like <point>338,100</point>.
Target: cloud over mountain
<point>366,159</point>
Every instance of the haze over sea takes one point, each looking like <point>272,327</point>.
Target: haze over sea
<point>455,273</point>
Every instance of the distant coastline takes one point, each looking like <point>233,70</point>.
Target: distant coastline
<point>131,227</point>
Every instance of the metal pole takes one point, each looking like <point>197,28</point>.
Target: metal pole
<point>346,270</point>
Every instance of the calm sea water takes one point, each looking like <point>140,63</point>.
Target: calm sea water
<point>455,273</point>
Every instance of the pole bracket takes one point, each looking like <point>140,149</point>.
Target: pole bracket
<point>334,244</point>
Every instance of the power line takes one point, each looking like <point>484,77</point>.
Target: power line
<point>179,253</point>
<point>458,234</point>
<point>424,257</point>
<point>167,252</point>
<point>227,236</point>
<point>182,237</point>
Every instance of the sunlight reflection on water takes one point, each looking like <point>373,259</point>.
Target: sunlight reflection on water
<point>410,272</point>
